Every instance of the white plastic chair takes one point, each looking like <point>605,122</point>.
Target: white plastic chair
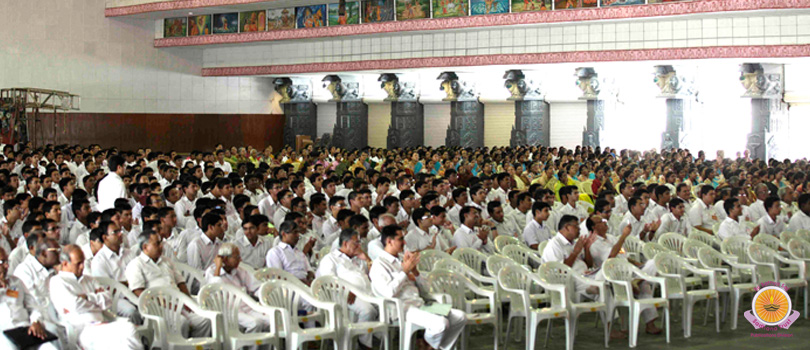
<point>560,274</point>
<point>713,260</point>
<point>518,280</point>
<point>428,258</point>
<point>471,257</point>
<point>651,249</point>
<point>786,236</point>
<point>494,265</point>
<point>163,306</point>
<point>503,241</point>
<point>118,291</point>
<point>286,295</point>
<point>704,237</point>
<point>484,282</point>
<point>334,290</point>
<point>621,275</point>
<point>271,274</point>
<point>228,300</point>
<point>194,278</point>
<point>455,286</point>
<point>769,259</point>
<point>522,255</point>
<point>775,244</point>
<point>803,234</point>
<point>799,249</point>
<point>675,270</point>
<point>691,248</point>
<point>674,242</point>
<point>632,247</point>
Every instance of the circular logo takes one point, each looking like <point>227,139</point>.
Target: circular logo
<point>771,305</point>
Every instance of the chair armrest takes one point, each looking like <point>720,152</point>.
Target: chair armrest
<point>442,298</point>
<point>662,282</point>
<point>628,289</point>
<point>480,291</point>
<point>161,329</point>
<point>380,302</point>
<point>773,266</point>
<point>704,272</point>
<point>267,310</point>
<point>590,282</point>
<point>796,262</point>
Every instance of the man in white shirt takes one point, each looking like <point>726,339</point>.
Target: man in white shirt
<point>375,246</point>
<point>350,264</point>
<point>35,269</point>
<point>253,248</point>
<point>478,196</point>
<point>757,209</point>
<point>222,164</point>
<point>184,208</point>
<point>112,186</point>
<point>605,247</point>
<point>18,308</point>
<point>801,219</point>
<point>570,196</point>
<point>203,249</point>
<point>287,257</point>
<point>503,224</point>
<point>676,220</point>
<point>702,214</point>
<point>460,201</point>
<point>537,230</point>
<point>150,269</point>
<point>111,262</point>
<point>269,204</point>
<point>626,191</point>
<point>524,206</point>
<point>467,237</point>
<point>633,218</point>
<point>395,278</point>
<point>500,193</point>
<point>421,237</point>
<point>318,206</point>
<point>659,207</point>
<point>731,225</point>
<point>772,223</point>
<point>562,248</point>
<point>81,302</point>
<point>226,270</point>
<point>285,198</point>
<point>331,227</point>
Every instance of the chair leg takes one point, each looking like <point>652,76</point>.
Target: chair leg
<point>506,335</point>
<point>635,318</point>
<point>569,334</point>
<point>548,333</point>
<point>805,301</point>
<point>666,319</point>
<point>687,317</point>
<point>605,326</point>
<point>716,312</point>
<point>735,308</point>
<point>531,331</point>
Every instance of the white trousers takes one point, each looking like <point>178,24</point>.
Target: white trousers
<point>195,326</point>
<point>648,312</point>
<point>440,332</point>
<point>113,335</point>
<point>361,311</point>
<point>130,311</point>
<point>253,322</point>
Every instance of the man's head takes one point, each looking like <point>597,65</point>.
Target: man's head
<point>732,207</point>
<point>470,216</point>
<point>229,253</point>
<point>47,253</point>
<point>773,206</point>
<point>495,210</point>
<point>541,211</point>
<point>350,243</point>
<point>597,224</point>
<point>289,232</point>
<point>212,225</point>
<point>678,207</point>
<point>636,206</point>
<point>707,194</point>
<point>569,227</point>
<point>392,239</point>
<point>71,259</point>
<point>149,242</point>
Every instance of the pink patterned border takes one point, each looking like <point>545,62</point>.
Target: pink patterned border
<point>616,12</point>
<point>771,51</point>
<point>172,5</point>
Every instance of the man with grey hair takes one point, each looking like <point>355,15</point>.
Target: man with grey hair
<point>375,246</point>
<point>81,302</point>
<point>757,209</point>
<point>226,270</point>
<point>350,264</point>
<point>19,307</point>
<point>35,269</point>
<point>287,257</point>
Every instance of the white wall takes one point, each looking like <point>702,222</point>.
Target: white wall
<point>437,119</point>
<point>112,64</point>
<point>327,117</point>
<point>567,121</point>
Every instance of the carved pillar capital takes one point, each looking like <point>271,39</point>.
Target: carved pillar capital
<point>520,88</point>
<point>293,91</point>
<point>672,83</point>
<point>398,89</point>
<point>341,89</point>
<point>762,80</point>
<point>588,82</point>
<point>456,89</point>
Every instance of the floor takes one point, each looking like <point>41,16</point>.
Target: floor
<point>703,337</point>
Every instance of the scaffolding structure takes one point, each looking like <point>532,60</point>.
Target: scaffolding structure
<point>20,109</point>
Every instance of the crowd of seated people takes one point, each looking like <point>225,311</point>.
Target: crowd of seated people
<point>73,214</point>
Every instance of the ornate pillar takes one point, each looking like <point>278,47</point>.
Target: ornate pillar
<point>588,82</point>
<point>466,127</point>
<point>351,127</point>
<point>677,92</point>
<point>532,119</point>
<point>300,113</point>
<point>407,127</point>
<point>764,85</point>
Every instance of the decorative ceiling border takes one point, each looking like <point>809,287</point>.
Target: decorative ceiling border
<point>757,51</point>
<point>604,13</point>
<point>171,5</point>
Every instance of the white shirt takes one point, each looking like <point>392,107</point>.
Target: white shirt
<point>289,259</point>
<point>109,264</point>
<point>519,218</point>
<point>18,308</point>
<point>757,210</point>
<point>142,273</point>
<point>254,255</point>
<point>417,240</point>
<point>558,249</point>
<point>799,221</point>
<point>352,270</point>
<point>79,230</point>
<point>278,217</point>
<point>601,248</point>
<point>536,233</point>
<point>771,227</point>
<point>638,226</point>
<point>388,280</point>
<point>268,207</point>
<point>110,188</point>
<point>465,237</point>
<point>317,223</point>
<point>579,211</point>
<point>453,213</point>
<point>330,229</point>
<point>79,311</point>
<point>670,224</point>
<point>498,194</point>
<point>730,227</point>
<point>184,208</point>
<point>656,212</point>
<point>621,205</point>
<point>238,277</point>
<point>375,249</point>
<point>507,227</point>
<point>33,275</point>
<point>225,166</point>
<point>701,214</point>
<point>202,251</point>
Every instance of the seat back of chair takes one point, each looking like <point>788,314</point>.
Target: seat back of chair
<point>669,263</point>
<point>554,272</point>
<point>803,234</point>
<point>768,241</point>
<point>760,253</point>
<point>692,246</point>
<point>428,258</point>
<point>516,280</point>
<point>117,291</point>
<point>633,245</point>
<point>651,249</point>
<point>503,241</point>
<point>618,269</point>
<point>166,303</point>
<point>470,257</point>
<point>333,290</point>
<point>194,278</point>
<point>450,283</point>
<point>496,262</point>
<point>786,236</point>
<point>271,273</point>
<point>451,265</point>
<point>708,257</point>
<point>701,236</point>
<point>799,249</point>
<point>223,298</point>
<point>283,294</point>
<point>672,241</point>
<point>517,253</point>
<point>736,246</point>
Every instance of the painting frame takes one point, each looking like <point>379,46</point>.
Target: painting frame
<point>534,5</point>
<point>377,11</point>
<point>225,23</point>
<point>352,14</point>
<point>175,27</point>
<point>479,7</point>
<point>450,8</point>
<point>252,21</point>
<point>412,9</point>
<point>311,16</point>
<point>194,29</point>
<point>280,19</point>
